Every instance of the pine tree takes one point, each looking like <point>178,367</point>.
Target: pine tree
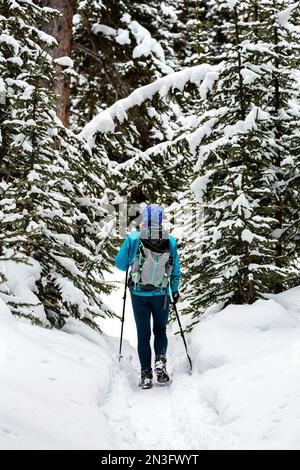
<point>238,132</point>
<point>114,53</point>
<point>205,35</point>
<point>53,188</point>
<point>278,29</point>
<point>242,165</point>
<point>118,47</point>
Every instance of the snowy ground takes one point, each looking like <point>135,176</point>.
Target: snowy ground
<point>65,389</point>
<point>52,387</point>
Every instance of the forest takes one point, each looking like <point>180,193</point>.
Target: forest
<point>189,104</point>
<point>107,106</point>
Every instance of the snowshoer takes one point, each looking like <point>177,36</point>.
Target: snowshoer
<point>153,281</point>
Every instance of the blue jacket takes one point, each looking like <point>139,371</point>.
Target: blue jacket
<point>128,252</point>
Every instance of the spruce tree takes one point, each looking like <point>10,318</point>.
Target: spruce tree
<point>236,136</point>
<point>278,28</point>
<point>53,189</point>
<point>243,165</point>
<point>119,46</point>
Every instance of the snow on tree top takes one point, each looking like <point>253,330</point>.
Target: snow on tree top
<point>122,36</point>
<point>2,88</point>
<point>146,44</point>
<point>45,38</point>
<point>9,40</point>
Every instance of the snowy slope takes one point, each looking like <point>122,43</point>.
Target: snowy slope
<point>65,389</point>
<point>52,386</point>
<point>249,358</point>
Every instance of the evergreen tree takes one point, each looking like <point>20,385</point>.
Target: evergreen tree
<point>53,188</point>
<point>206,35</point>
<point>245,184</point>
<point>115,52</point>
<point>119,46</point>
<point>278,28</point>
<point>240,133</point>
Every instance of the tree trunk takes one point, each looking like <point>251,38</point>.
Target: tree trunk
<point>61,29</point>
<point>279,214</point>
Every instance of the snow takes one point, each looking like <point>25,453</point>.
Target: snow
<point>241,202</point>
<point>2,91</point>
<point>69,292</point>
<point>69,265</point>
<point>249,360</point>
<point>256,114</point>
<point>126,18</point>
<point>28,93</point>
<point>104,122</point>
<point>284,16</point>
<point>247,236</point>
<point>199,185</point>
<point>169,11</point>
<point>21,280</point>
<point>9,40</point>
<point>2,85</point>
<point>249,77</point>
<point>45,38</point>
<point>105,30</point>
<point>122,36</point>
<point>64,61</point>
<point>231,4</point>
<point>197,136</point>
<point>210,78</point>
<point>146,44</point>
<point>52,386</point>
<point>244,392</point>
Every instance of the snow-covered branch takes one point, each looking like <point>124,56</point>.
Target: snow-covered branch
<point>205,75</point>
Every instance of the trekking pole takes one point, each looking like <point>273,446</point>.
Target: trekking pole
<point>123,316</point>
<point>182,335</point>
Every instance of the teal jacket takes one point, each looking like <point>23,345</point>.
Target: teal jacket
<point>128,252</point>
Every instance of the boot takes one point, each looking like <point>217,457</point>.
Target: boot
<point>160,370</point>
<point>146,380</point>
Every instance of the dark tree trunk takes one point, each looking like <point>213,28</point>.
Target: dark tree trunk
<point>279,214</point>
<point>61,29</point>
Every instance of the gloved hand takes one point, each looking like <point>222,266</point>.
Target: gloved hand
<point>176,297</point>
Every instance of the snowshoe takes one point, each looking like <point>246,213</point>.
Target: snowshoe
<point>146,380</point>
<point>161,371</point>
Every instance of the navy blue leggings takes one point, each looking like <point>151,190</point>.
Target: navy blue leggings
<point>143,307</point>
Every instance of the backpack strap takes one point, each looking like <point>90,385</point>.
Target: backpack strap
<point>141,250</point>
<point>135,277</point>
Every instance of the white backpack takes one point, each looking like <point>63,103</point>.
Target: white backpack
<point>152,266</point>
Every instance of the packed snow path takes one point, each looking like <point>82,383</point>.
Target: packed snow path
<point>244,392</point>
<point>166,417</point>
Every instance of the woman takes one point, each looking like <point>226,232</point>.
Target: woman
<point>153,281</point>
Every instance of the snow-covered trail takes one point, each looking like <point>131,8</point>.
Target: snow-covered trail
<point>244,392</point>
<point>164,417</point>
